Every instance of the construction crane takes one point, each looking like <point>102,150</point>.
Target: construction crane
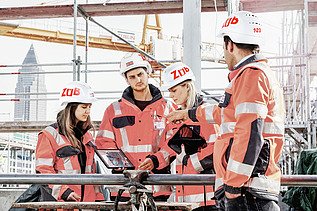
<point>14,30</point>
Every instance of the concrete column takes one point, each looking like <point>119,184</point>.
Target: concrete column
<point>233,6</point>
<point>192,38</point>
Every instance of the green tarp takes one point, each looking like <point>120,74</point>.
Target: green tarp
<point>304,198</point>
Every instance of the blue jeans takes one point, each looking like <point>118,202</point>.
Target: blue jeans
<point>248,202</point>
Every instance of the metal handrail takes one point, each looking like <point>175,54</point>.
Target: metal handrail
<point>155,179</point>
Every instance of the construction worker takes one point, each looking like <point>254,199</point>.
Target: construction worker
<point>191,157</point>
<point>251,119</point>
<point>66,147</point>
<point>135,123</point>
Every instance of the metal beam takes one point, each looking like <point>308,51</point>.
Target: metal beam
<point>142,8</point>
<point>271,5</point>
<point>56,11</point>
<point>106,9</point>
<point>297,136</point>
<point>9,145</point>
<point>29,126</point>
<point>312,13</point>
<point>123,206</point>
<point>152,179</point>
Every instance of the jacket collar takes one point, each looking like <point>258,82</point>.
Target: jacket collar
<point>155,92</point>
<point>198,100</point>
<point>246,60</point>
<point>79,132</point>
<point>249,59</point>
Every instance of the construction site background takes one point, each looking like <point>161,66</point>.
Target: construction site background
<point>291,48</point>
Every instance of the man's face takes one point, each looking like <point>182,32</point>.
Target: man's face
<point>137,79</point>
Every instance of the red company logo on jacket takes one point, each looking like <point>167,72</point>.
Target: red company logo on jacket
<point>70,92</point>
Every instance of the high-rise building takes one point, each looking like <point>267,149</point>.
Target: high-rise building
<point>29,108</point>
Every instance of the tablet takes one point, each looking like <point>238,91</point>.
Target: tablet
<point>114,158</point>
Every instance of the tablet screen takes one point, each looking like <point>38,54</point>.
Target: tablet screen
<point>115,158</point>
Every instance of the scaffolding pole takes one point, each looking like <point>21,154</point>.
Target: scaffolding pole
<point>75,77</point>
<point>152,179</point>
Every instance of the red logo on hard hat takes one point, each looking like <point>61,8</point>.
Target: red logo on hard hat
<point>129,63</point>
<point>180,72</point>
<point>70,92</point>
<point>142,56</point>
<point>257,30</point>
<point>233,20</point>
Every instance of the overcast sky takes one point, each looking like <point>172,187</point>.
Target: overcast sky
<point>13,51</point>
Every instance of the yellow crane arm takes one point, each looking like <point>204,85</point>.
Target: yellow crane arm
<point>13,30</point>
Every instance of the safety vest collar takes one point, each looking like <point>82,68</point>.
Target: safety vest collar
<point>87,138</point>
<point>53,129</point>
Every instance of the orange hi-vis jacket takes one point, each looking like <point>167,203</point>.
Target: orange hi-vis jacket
<point>200,162</point>
<point>137,133</point>
<point>251,119</point>
<point>55,155</point>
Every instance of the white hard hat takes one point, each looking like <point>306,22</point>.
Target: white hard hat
<point>175,74</point>
<point>76,92</point>
<point>134,60</point>
<point>243,27</point>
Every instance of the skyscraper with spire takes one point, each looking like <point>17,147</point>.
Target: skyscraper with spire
<point>31,107</point>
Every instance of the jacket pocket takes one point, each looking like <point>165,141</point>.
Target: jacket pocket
<point>67,151</point>
<point>123,121</point>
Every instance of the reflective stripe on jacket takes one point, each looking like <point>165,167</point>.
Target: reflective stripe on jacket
<point>251,119</point>
<point>137,133</point>
<point>197,163</point>
<point>55,155</point>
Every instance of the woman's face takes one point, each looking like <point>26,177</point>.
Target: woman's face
<point>179,94</point>
<point>82,112</point>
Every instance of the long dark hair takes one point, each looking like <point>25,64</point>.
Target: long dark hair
<point>66,121</point>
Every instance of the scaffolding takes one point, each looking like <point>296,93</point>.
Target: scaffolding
<point>291,66</point>
<point>294,75</point>
<point>17,155</point>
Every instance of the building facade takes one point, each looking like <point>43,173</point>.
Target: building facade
<point>30,107</point>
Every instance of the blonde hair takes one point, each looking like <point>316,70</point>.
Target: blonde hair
<point>191,99</point>
<point>66,121</point>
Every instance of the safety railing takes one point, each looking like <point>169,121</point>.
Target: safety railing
<point>155,179</point>
<point>100,179</point>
